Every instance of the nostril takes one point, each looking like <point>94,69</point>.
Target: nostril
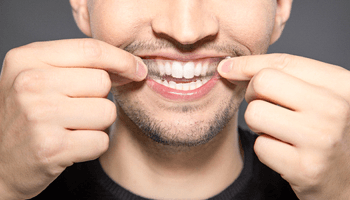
<point>185,26</point>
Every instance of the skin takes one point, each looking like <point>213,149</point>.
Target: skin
<point>53,110</point>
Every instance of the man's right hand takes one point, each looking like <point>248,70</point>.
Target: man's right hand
<point>53,109</point>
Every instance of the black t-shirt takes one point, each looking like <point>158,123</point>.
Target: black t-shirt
<point>88,181</point>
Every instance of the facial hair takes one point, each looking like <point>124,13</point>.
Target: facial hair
<point>200,132</point>
<point>175,134</point>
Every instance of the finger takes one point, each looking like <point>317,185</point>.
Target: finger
<point>86,113</point>
<point>90,53</point>
<point>282,89</point>
<point>85,145</point>
<point>311,71</point>
<point>270,119</point>
<point>277,155</point>
<point>75,82</point>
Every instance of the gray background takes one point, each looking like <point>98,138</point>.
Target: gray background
<point>318,29</point>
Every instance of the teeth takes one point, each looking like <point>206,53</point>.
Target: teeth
<point>167,68</point>
<point>198,69</point>
<point>178,86</point>
<point>172,84</point>
<point>183,70</point>
<point>186,86</point>
<point>183,86</point>
<point>188,70</point>
<point>177,70</point>
<point>198,83</point>
<point>193,86</point>
<point>205,81</point>
<point>204,69</point>
<point>165,83</point>
<point>161,69</point>
<point>180,70</point>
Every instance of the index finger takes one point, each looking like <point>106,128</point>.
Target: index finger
<point>312,71</point>
<point>89,53</point>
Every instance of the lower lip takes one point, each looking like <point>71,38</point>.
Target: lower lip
<point>180,95</point>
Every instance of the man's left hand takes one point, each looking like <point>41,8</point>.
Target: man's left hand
<point>301,108</point>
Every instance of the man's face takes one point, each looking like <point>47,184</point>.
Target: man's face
<point>183,101</point>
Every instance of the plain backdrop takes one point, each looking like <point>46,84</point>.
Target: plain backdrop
<point>317,29</point>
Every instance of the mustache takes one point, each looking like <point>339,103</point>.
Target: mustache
<point>228,48</point>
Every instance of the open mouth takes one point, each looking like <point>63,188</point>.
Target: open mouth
<point>177,80</point>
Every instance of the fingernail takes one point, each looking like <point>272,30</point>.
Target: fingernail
<point>141,70</point>
<point>226,67</point>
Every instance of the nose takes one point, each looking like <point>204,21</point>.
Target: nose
<point>185,21</point>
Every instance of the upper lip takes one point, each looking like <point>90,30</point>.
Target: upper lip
<point>185,57</point>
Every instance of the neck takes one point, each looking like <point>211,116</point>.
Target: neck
<point>153,170</point>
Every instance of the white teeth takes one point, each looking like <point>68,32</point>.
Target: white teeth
<point>204,81</point>
<point>178,86</point>
<point>165,83</point>
<point>188,70</point>
<point>183,86</point>
<point>193,85</point>
<point>204,69</point>
<point>183,70</point>
<point>161,69</point>
<point>177,70</point>
<point>167,68</point>
<point>172,84</point>
<point>180,70</point>
<point>198,69</point>
<point>198,83</point>
<point>186,86</point>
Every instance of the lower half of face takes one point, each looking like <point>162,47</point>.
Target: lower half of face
<point>183,101</point>
<point>172,116</point>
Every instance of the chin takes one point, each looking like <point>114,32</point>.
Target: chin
<point>178,124</point>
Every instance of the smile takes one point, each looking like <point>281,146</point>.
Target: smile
<point>177,80</point>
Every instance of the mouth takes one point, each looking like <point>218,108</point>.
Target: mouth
<point>182,80</point>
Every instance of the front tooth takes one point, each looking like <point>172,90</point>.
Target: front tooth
<point>172,84</point>
<point>188,71</point>
<point>158,81</point>
<point>204,81</point>
<point>186,86</point>
<point>167,68</point>
<point>198,83</point>
<point>192,85</point>
<point>204,69</point>
<point>178,86</point>
<point>198,69</point>
<point>177,70</point>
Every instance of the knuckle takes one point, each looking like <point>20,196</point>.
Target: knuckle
<point>282,61</point>
<point>17,54</point>
<point>263,81</point>
<point>44,146</point>
<point>27,81</point>
<point>91,49</point>
<point>342,109</point>
<point>252,113</point>
<point>328,142</point>
<point>11,56</point>
<point>104,82</point>
<point>311,172</point>
<point>103,143</point>
<point>109,111</point>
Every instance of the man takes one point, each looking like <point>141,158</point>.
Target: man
<point>178,71</point>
